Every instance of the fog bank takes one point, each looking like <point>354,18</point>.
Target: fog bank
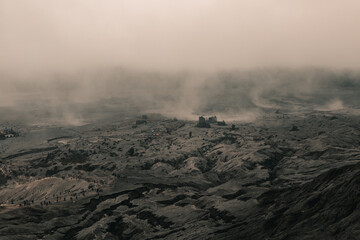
<point>64,36</point>
<point>119,93</point>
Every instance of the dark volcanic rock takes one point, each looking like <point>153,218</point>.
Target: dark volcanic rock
<point>74,156</point>
<point>3,178</point>
<point>294,128</point>
<point>154,220</point>
<point>253,181</point>
<point>325,208</point>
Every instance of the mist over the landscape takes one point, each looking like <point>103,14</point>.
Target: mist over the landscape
<point>179,119</point>
<point>118,93</point>
<point>65,36</point>
<point>66,59</point>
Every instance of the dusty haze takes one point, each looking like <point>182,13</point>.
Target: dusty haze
<point>72,60</point>
<point>101,135</point>
<point>45,35</point>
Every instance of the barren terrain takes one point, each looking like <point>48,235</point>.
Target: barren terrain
<point>153,181</point>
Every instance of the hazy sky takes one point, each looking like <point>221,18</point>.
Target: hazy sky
<point>64,35</point>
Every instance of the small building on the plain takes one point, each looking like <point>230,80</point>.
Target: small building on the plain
<point>203,123</point>
<point>213,119</point>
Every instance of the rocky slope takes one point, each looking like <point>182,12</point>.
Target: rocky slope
<point>325,208</point>
<point>272,178</point>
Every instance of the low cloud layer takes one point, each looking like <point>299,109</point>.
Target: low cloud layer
<point>81,61</point>
<point>232,95</point>
<point>67,36</point>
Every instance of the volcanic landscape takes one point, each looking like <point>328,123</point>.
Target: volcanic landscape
<point>290,172</point>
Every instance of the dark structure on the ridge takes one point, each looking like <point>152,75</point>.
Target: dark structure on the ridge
<point>213,119</point>
<point>203,123</point>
